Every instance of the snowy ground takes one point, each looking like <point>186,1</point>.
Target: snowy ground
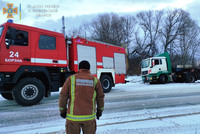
<point>164,120</point>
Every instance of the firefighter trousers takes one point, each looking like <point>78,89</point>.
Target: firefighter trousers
<point>74,127</point>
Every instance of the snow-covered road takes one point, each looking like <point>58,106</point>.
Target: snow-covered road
<point>129,108</point>
<point>176,120</point>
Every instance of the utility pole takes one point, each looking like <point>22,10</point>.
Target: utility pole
<point>63,25</point>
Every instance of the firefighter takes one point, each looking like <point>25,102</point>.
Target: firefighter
<point>20,39</point>
<point>79,97</point>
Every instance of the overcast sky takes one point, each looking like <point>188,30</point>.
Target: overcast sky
<point>76,11</point>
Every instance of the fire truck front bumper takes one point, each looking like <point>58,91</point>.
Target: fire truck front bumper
<point>3,89</point>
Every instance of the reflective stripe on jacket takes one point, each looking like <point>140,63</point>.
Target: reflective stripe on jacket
<point>71,115</point>
<point>80,95</point>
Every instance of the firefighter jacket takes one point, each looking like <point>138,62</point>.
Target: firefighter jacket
<point>79,96</point>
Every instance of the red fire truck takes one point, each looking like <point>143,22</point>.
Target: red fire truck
<point>35,62</point>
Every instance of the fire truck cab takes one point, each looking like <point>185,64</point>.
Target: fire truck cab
<point>35,62</point>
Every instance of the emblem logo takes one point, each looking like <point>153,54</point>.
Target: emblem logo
<point>10,10</point>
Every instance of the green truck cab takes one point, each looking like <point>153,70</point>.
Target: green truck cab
<point>158,69</point>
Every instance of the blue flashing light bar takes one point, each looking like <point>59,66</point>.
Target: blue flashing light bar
<point>11,21</point>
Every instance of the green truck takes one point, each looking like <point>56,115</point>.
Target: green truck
<point>158,69</point>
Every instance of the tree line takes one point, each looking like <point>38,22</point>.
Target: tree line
<point>147,34</point>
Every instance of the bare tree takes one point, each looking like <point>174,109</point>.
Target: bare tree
<point>112,28</point>
<point>195,47</point>
<point>99,28</point>
<point>149,25</point>
<point>141,47</point>
<point>189,41</point>
<point>146,34</point>
<point>173,22</point>
<point>109,28</point>
<point>80,31</point>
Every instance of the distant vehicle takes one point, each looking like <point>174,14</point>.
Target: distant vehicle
<point>158,69</point>
<point>40,63</point>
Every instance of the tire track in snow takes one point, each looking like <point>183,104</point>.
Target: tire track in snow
<point>151,118</point>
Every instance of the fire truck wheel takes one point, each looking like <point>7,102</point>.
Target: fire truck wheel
<point>7,96</point>
<point>29,91</point>
<point>106,83</point>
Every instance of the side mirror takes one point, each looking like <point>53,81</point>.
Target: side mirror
<point>7,41</point>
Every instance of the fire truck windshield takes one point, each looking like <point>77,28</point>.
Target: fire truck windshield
<point>1,31</point>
